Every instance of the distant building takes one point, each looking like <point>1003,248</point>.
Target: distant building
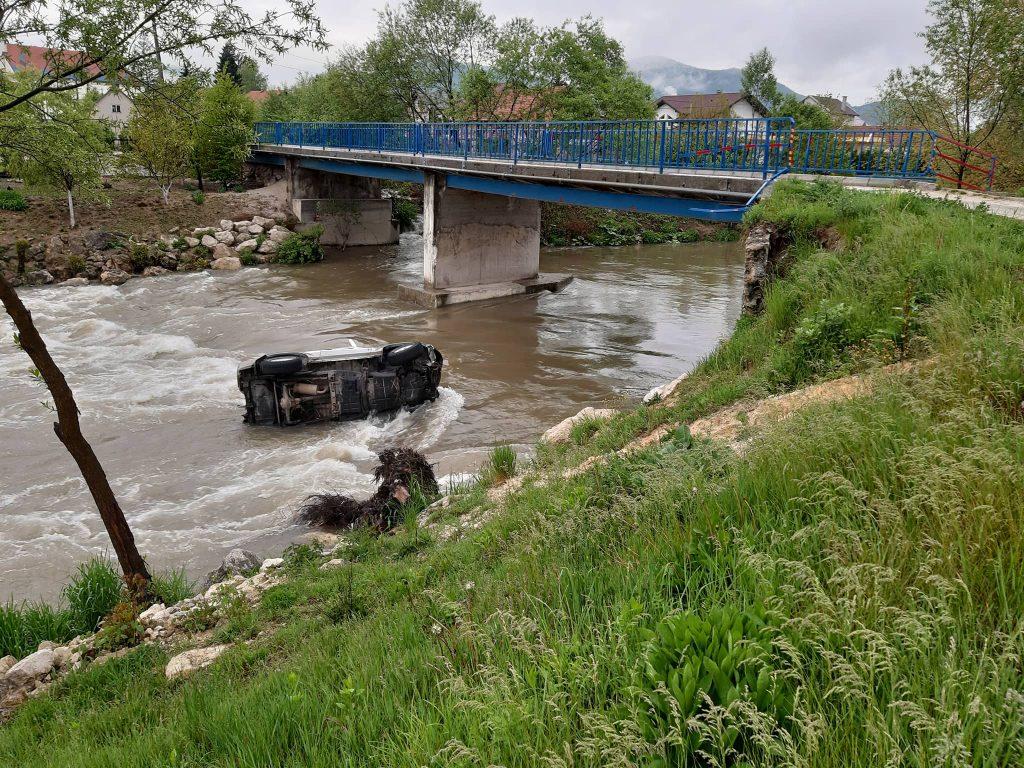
<point>840,109</point>
<point>113,106</point>
<point>258,96</point>
<point>708,105</point>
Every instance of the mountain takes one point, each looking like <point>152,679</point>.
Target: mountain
<point>871,112</point>
<point>669,77</point>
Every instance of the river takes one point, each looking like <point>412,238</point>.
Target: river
<point>153,364</point>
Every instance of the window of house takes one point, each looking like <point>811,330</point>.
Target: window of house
<point>115,107</point>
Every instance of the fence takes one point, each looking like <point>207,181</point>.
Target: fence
<point>759,145</point>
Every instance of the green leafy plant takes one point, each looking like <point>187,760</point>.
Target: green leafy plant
<point>121,627</point>
<point>501,464</point>
<point>301,247</point>
<point>406,211</point>
<point>12,200</point>
<point>92,593</point>
<point>76,263</point>
<point>141,256</point>
<point>248,257</point>
<point>823,334</point>
<point>198,197</point>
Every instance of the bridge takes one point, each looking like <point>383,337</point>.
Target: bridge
<point>484,182</point>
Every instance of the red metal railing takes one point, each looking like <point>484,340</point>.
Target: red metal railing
<point>965,168</point>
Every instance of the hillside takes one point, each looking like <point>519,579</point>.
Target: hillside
<point>668,76</point>
<point>810,553</point>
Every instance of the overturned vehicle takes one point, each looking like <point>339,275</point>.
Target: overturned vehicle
<point>338,384</point>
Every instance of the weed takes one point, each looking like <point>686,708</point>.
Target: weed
<point>301,247</point>
<point>12,200</point>
<point>76,263</point>
<point>198,197</point>
<point>501,464</point>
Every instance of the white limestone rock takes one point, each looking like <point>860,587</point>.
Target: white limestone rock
<point>263,221</point>
<point>154,271</point>
<point>225,236</point>
<point>561,432</point>
<point>221,251</point>
<point>250,244</point>
<point>114,277</point>
<point>46,645</point>
<point>267,246</point>
<point>664,391</point>
<point>278,234</point>
<point>153,615</point>
<point>76,281</point>
<point>271,563</point>
<point>254,229</point>
<point>61,656</point>
<point>6,663</point>
<point>242,226</point>
<point>191,242</point>
<point>209,241</point>
<point>227,224</point>
<point>330,565</point>
<point>189,661</point>
<point>32,667</point>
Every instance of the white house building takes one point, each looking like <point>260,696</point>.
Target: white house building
<point>840,110</point>
<point>708,105</point>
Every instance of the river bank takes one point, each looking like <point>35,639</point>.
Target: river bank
<point>866,551</point>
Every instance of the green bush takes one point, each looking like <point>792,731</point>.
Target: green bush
<point>501,464</point>
<point>92,593</point>
<point>301,247</point>
<point>141,256</point>
<point>12,200</point>
<point>406,212</point>
<point>248,258</point>
<point>23,627</point>
<point>695,661</point>
<point>198,197</point>
<point>76,263</point>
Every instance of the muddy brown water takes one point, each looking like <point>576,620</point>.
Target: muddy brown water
<point>153,366</point>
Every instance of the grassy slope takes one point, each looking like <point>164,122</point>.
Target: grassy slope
<point>880,537</point>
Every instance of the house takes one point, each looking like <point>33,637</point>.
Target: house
<point>708,105</point>
<point>258,97</point>
<point>840,109</point>
<point>113,105</point>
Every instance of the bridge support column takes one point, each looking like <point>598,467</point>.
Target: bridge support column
<point>478,246</point>
<point>349,208</point>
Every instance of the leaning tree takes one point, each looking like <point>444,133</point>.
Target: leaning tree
<point>129,43</point>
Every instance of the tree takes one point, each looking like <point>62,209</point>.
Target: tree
<point>228,62</point>
<point>973,80</point>
<point>122,40</point>
<point>161,135</point>
<point>757,78</point>
<point>224,130</point>
<point>58,148</point>
<point>249,76</point>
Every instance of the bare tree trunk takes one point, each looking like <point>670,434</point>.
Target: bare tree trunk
<point>166,192</point>
<point>69,431</point>
<point>71,209</point>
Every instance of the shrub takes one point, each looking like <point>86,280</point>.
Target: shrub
<point>141,256</point>
<point>501,464</point>
<point>76,263</point>
<point>92,593</point>
<point>406,212</point>
<point>23,627</point>
<point>821,336</point>
<point>120,628</point>
<point>198,197</point>
<point>12,200</point>
<point>248,258</point>
<point>172,587</point>
<point>301,247</point>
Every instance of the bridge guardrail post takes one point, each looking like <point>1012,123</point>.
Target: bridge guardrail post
<point>661,147</point>
<point>515,144</point>
<point>767,147</point>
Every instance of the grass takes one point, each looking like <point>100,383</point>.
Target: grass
<point>864,560</point>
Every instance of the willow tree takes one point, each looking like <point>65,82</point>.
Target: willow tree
<point>126,42</point>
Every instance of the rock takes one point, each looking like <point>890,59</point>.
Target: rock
<point>61,656</point>
<point>242,226</point>
<point>227,263</point>
<point>73,281</point>
<point>154,271</point>
<point>38,277</point>
<point>46,645</point>
<point>114,276</point>
<point>99,241</point>
<point>267,246</point>
<point>560,432</point>
<point>227,224</point>
<point>237,562</point>
<point>254,229</point>
<point>271,563</point>
<point>209,241</point>
<point>152,615</point>
<point>278,234</point>
<point>263,221</point>
<point>662,392</point>
<point>189,661</point>
<point>32,667</point>
<point>330,565</point>
<point>200,231</point>
<point>763,252</point>
<point>221,251</point>
<point>250,244</point>
<point>192,242</point>
<point>225,237</point>
<point>6,663</point>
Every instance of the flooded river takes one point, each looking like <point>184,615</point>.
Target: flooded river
<point>153,366</point>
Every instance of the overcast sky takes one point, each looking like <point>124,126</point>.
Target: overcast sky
<point>821,46</point>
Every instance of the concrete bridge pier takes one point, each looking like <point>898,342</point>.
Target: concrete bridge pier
<point>478,246</point>
<point>349,208</point>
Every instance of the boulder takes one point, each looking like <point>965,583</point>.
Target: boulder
<point>330,565</point>
<point>73,281</point>
<point>189,661</point>
<point>192,242</point>
<point>267,246</point>
<point>560,432</point>
<point>154,271</point>
<point>46,645</point>
<point>61,656</point>
<point>254,229</point>
<point>271,563</point>
<point>38,277</point>
<point>242,226</point>
<point>278,234</point>
<point>99,241</point>
<point>250,244</point>
<point>226,263</point>
<point>209,241</point>
<point>6,663</point>
<point>200,231</point>
<point>32,667</point>
<point>226,224</point>
<point>156,614</point>
<point>663,392</point>
<point>238,562</point>
<point>225,236</point>
<point>114,276</point>
<point>221,251</point>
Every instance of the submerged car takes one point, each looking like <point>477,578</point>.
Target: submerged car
<point>353,382</point>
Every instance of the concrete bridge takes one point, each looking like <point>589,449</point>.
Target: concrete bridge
<point>484,182</point>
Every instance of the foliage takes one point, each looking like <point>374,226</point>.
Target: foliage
<point>563,225</point>
<point>91,594</point>
<point>173,587</point>
<point>757,78</point>
<point>198,197</point>
<point>406,211</point>
<point>224,131</point>
<point>501,464</point>
<point>161,134</point>
<point>301,247</point>
<point>12,200</point>
<point>227,62</point>
<point>249,76</point>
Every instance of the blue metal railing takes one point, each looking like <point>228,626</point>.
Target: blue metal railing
<point>757,145</point>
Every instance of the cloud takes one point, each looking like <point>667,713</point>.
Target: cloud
<point>820,45</point>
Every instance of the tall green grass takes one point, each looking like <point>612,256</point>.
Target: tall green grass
<point>850,592</point>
